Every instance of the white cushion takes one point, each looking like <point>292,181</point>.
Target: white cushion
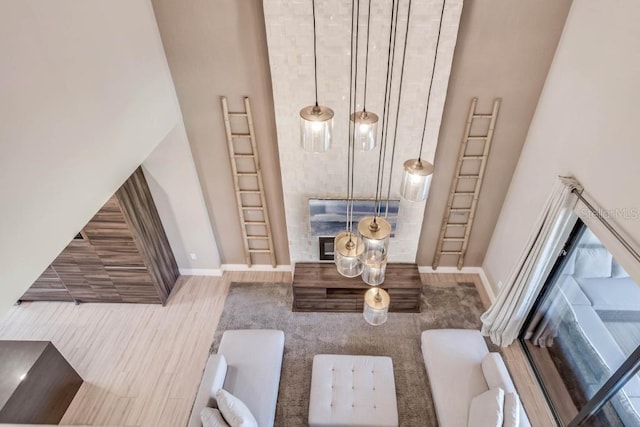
<point>589,239</point>
<point>611,294</point>
<point>255,363</point>
<point>511,410</point>
<point>352,391</point>
<point>617,271</point>
<point>486,409</point>
<point>569,266</point>
<point>234,411</point>
<point>572,292</point>
<point>592,262</point>
<point>453,360</point>
<point>254,358</point>
<point>211,417</point>
<point>496,373</point>
<point>497,376</point>
<point>604,344</point>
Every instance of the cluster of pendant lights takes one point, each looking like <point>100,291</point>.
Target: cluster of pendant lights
<point>365,253</point>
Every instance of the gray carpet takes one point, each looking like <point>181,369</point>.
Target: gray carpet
<point>268,306</point>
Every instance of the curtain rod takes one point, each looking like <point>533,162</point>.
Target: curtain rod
<point>607,225</point>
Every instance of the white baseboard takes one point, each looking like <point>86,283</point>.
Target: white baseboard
<point>465,270</point>
<point>255,267</point>
<point>200,272</point>
<point>487,285</point>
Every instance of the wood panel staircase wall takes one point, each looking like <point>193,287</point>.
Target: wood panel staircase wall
<point>121,255</point>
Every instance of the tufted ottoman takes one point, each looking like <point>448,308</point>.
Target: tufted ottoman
<point>352,391</point>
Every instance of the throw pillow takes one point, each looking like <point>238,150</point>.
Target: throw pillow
<point>234,411</point>
<point>511,410</point>
<point>212,418</point>
<point>592,262</point>
<point>486,409</point>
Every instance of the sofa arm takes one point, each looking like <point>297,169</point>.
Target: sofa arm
<point>213,378</point>
<point>255,361</point>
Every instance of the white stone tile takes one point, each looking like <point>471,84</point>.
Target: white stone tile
<point>308,175</point>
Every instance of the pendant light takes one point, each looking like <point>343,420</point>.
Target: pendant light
<point>376,306</point>
<point>316,121</point>
<point>365,123</point>
<point>348,247</point>
<point>417,174</point>
<point>374,231</point>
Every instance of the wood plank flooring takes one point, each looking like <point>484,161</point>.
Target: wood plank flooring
<point>142,364</point>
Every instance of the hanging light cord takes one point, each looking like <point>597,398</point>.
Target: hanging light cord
<point>315,56</point>
<point>395,131</point>
<point>366,61</point>
<point>350,152</point>
<point>355,19</point>
<point>433,71</point>
<point>387,94</point>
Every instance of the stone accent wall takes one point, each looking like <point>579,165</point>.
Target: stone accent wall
<point>310,175</point>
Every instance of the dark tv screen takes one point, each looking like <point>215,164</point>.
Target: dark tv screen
<point>328,217</point>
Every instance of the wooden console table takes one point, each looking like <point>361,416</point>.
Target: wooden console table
<point>319,287</point>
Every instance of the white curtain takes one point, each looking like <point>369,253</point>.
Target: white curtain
<point>544,326</point>
<point>504,319</point>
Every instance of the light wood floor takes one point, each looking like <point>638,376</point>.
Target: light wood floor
<point>142,364</point>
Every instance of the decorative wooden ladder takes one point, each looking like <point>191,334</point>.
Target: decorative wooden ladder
<point>465,187</point>
<point>247,179</point>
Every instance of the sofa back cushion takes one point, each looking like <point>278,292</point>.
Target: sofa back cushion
<point>496,373</point>
<point>592,262</point>
<point>452,358</point>
<point>497,376</point>
<point>486,409</point>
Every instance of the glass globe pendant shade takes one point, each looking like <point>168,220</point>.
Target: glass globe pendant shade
<point>347,250</point>
<point>365,130</point>
<point>373,271</point>
<point>374,234</point>
<point>376,306</point>
<point>416,179</point>
<point>316,128</point>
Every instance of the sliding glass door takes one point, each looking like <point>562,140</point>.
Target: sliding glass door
<point>583,336</point>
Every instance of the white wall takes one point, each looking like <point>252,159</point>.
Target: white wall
<point>219,48</point>
<point>85,96</point>
<point>173,181</point>
<point>501,52</point>
<point>311,175</point>
<point>585,125</point>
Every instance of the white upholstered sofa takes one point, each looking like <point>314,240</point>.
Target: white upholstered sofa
<point>247,365</point>
<point>454,359</point>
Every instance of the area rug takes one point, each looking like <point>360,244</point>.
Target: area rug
<point>268,306</point>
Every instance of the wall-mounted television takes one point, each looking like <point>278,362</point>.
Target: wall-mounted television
<point>328,217</point>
